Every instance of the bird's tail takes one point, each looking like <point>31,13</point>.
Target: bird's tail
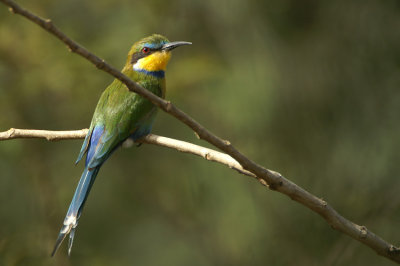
<point>75,208</point>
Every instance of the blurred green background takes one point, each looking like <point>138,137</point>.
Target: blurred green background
<point>308,88</point>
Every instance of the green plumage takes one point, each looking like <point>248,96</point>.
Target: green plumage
<point>123,112</point>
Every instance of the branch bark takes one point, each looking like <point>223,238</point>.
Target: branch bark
<point>273,179</point>
<point>14,133</point>
<point>182,146</point>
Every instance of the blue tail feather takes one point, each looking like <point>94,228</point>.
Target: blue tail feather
<point>75,208</point>
<point>98,146</point>
<point>91,146</point>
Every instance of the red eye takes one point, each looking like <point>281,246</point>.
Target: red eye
<point>145,50</point>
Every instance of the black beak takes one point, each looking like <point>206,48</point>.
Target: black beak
<point>172,45</point>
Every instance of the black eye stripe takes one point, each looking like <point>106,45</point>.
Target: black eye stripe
<point>138,55</point>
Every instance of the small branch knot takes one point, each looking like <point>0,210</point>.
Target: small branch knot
<point>53,138</point>
<point>11,132</point>
<point>48,23</point>
<point>394,250</point>
<point>227,143</point>
<point>168,106</point>
<point>71,48</point>
<point>263,182</point>
<point>99,65</point>
<point>363,232</point>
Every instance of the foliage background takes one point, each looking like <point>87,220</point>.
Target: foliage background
<point>307,88</point>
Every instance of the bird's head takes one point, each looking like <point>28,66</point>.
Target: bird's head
<point>151,54</point>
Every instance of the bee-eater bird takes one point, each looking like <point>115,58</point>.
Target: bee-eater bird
<point>120,114</point>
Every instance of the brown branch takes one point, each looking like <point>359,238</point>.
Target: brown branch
<point>274,180</point>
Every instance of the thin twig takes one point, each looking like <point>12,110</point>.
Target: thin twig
<point>206,153</point>
<point>182,146</point>
<point>274,180</point>
<point>14,133</point>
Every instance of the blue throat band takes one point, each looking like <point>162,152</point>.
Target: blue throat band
<point>157,74</point>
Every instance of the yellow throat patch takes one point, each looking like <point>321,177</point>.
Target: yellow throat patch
<point>155,62</point>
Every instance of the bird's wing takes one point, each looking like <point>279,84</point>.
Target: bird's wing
<point>85,145</point>
<point>102,143</point>
<point>119,114</point>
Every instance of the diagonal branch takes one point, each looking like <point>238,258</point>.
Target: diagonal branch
<point>274,180</point>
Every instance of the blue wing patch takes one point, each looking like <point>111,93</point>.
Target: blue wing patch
<point>97,134</point>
